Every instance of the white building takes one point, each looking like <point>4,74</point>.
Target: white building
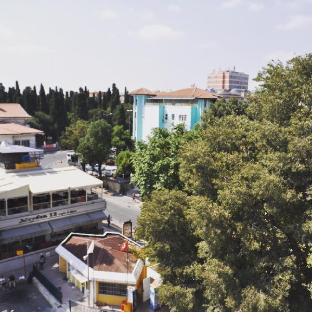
<point>19,134</point>
<point>39,207</point>
<point>167,109</point>
<point>13,126</point>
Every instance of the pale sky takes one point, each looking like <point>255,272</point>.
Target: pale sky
<point>154,44</point>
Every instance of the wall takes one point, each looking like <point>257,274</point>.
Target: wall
<point>150,119</point>
<point>138,115</point>
<point>11,138</point>
<point>177,109</point>
<point>62,265</point>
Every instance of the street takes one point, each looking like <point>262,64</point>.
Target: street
<point>24,298</point>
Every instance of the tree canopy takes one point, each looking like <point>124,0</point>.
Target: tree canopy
<point>156,162</point>
<point>245,204</point>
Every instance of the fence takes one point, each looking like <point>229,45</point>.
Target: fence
<point>47,284</point>
<point>75,306</point>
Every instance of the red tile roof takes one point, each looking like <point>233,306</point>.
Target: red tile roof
<point>187,93</point>
<point>12,110</point>
<point>142,91</point>
<point>14,129</point>
<point>190,93</point>
<point>107,255</point>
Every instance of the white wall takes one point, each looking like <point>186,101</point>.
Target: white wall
<point>11,138</point>
<point>178,109</point>
<point>150,119</point>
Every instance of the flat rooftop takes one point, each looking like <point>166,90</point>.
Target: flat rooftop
<point>46,180</point>
<point>107,255</point>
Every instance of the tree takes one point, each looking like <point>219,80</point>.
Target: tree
<point>156,163</point>
<point>247,182</point>
<point>284,89</point>
<point>43,122</point>
<point>73,134</point>
<point>124,163</point>
<point>223,107</point>
<point>121,139</point>
<point>95,146</point>
<point>163,224</point>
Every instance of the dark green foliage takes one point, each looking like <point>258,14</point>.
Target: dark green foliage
<point>63,109</point>
<point>121,139</point>
<point>156,162</point>
<point>95,146</point>
<point>124,164</point>
<point>246,182</point>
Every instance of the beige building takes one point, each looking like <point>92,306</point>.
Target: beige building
<point>227,80</point>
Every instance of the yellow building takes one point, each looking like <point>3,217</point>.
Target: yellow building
<point>114,275</point>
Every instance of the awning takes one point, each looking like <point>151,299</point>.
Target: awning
<point>24,232</point>
<point>97,216</point>
<point>63,224</point>
<point>78,276</point>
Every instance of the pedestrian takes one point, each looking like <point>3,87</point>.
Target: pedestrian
<point>12,282</point>
<point>42,260</point>
<point>108,220</point>
<point>133,196</point>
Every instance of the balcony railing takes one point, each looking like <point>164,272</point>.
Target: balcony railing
<point>17,209</point>
<point>43,205</point>
<point>78,199</point>
<point>92,196</point>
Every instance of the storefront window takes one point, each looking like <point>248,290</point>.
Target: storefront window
<point>112,289</point>
<point>17,205</point>
<point>92,195</point>
<point>41,201</point>
<point>60,198</point>
<point>78,196</point>
<point>2,207</point>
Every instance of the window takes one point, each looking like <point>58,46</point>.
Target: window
<point>182,117</point>
<point>166,116</point>
<point>172,116</point>
<point>2,207</point>
<point>25,143</point>
<point>17,205</point>
<point>17,142</point>
<point>41,201</point>
<point>112,289</point>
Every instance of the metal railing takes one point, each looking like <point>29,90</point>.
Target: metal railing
<point>17,209</point>
<point>47,284</point>
<point>42,205</point>
<point>75,306</point>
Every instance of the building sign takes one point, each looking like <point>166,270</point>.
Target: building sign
<point>19,252</point>
<point>127,229</point>
<point>49,215</point>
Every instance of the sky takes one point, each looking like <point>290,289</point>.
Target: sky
<point>160,45</point>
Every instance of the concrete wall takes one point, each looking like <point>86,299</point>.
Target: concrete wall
<point>17,263</point>
<point>176,110</point>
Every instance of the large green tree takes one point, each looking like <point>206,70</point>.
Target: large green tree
<point>156,163</point>
<point>247,183</point>
<point>95,146</point>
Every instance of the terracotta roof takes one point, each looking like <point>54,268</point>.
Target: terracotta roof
<point>189,93</point>
<point>142,91</point>
<point>12,110</point>
<point>107,255</point>
<point>12,128</point>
